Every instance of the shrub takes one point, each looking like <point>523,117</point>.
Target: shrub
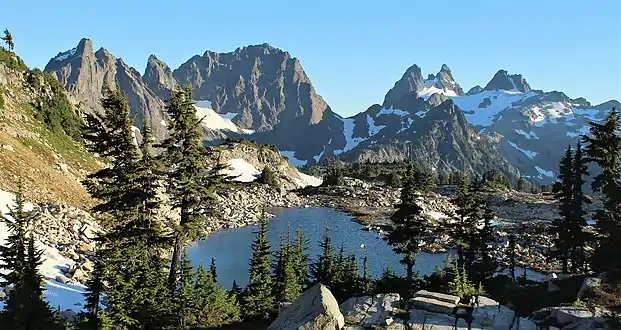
<point>268,177</point>
<point>11,60</point>
<point>1,97</point>
<point>56,112</point>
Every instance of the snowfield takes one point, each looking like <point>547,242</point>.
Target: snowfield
<point>65,296</point>
<point>246,172</point>
<point>215,121</point>
<point>479,115</point>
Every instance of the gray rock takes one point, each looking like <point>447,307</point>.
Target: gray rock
<point>62,279</point>
<point>86,74</point>
<point>570,314</point>
<point>432,305</point>
<point>315,309</point>
<point>370,310</point>
<point>589,283</point>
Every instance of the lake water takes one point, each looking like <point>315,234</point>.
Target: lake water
<point>231,247</point>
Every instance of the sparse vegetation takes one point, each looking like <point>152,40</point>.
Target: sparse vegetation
<point>54,109</point>
<point>12,61</point>
<point>268,177</point>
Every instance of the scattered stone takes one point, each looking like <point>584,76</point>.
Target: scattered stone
<point>315,309</point>
<point>7,147</point>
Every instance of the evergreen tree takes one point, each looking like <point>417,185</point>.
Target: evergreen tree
<point>212,270</point>
<point>131,250</point>
<point>300,258</point>
<point>259,299</point>
<point>511,256</point>
<point>94,293</point>
<point>579,237</point>
<point>409,225</point>
<point>212,304</point>
<point>603,147</point>
<point>365,286</point>
<point>13,252</point>
<point>563,190</point>
<point>323,270</point>
<point>191,182</point>
<point>463,232</point>
<point>185,303</point>
<point>268,177</point>
<point>24,308</point>
<point>8,39</point>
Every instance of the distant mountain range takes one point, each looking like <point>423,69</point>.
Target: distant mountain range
<point>262,93</point>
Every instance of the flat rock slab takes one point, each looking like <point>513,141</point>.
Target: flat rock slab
<point>432,305</point>
<point>315,309</point>
<point>437,296</point>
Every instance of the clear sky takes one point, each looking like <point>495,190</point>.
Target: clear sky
<point>353,51</point>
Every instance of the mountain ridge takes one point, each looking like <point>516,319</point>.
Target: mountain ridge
<point>265,90</point>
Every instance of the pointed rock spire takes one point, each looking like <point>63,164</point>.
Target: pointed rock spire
<point>503,81</point>
<point>159,77</point>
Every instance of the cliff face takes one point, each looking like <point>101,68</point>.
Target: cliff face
<point>87,74</point>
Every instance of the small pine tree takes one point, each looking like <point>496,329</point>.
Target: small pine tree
<point>563,191</point>
<point>300,258</point>
<point>579,237</point>
<point>259,300</point>
<point>212,270</point>
<point>24,308</point>
<point>8,39</point>
<point>185,294</point>
<point>268,177</point>
<point>323,270</point>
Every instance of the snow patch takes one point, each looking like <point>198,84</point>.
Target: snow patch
<point>308,180</point>
<point>498,100</point>
<point>373,129</point>
<point>409,124</point>
<point>348,132</point>
<point>318,157</point>
<point>65,296</point>
<point>422,113</point>
<point>215,121</point>
<point>241,170</point>
<point>294,161</point>
<point>65,55</point>
<point>528,153</point>
<point>391,111</point>
<point>541,171</point>
<point>530,135</point>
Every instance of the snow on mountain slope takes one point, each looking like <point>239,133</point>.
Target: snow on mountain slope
<point>215,121</point>
<point>483,108</point>
<point>65,296</point>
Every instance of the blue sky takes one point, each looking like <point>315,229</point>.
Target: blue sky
<point>353,51</point>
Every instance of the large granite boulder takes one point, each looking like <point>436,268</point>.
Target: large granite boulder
<point>315,309</point>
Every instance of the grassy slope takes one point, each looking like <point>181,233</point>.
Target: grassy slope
<point>50,163</point>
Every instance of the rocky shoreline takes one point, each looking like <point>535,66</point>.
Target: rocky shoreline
<point>71,231</point>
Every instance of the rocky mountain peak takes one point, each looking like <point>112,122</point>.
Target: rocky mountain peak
<point>444,80</point>
<point>159,77</point>
<point>502,80</point>
<point>475,90</point>
<point>411,81</point>
<point>88,78</point>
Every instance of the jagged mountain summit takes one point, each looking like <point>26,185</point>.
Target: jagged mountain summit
<point>87,74</point>
<point>530,127</point>
<point>262,93</point>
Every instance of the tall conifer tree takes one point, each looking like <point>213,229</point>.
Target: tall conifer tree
<point>603,147</point>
